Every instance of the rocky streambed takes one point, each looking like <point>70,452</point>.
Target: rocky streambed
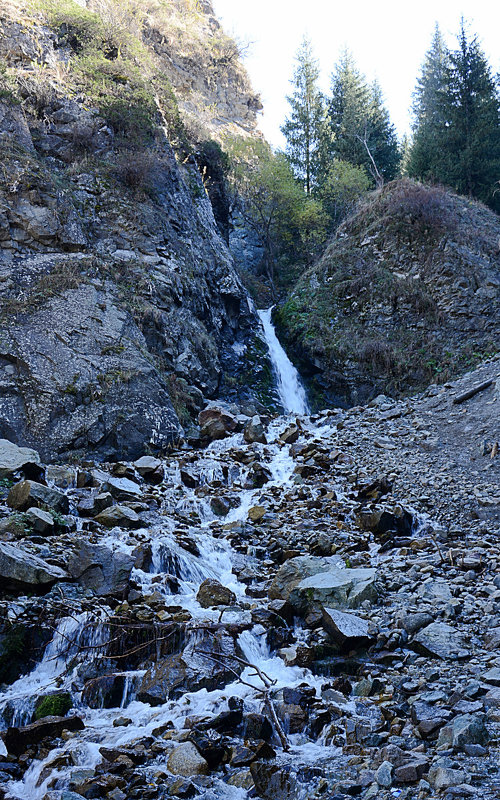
<point>275,611</point>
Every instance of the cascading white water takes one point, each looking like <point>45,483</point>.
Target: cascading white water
<point>290,389</point>
<point>62,766</point>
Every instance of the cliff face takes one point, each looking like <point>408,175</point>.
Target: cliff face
<point>119,299</point>
<point>408,293</point>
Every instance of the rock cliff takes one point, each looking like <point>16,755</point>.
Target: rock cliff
<point>121,309</point>
<point>406,294</point>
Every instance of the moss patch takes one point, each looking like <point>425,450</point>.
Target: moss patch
<point>53,705</point>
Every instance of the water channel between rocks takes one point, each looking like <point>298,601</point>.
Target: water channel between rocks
<point>77,635</point>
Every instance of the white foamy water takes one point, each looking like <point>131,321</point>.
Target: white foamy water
<point>291,391</point>
<point>56,671</point>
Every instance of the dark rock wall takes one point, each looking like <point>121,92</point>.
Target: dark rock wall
<point>118,291</point>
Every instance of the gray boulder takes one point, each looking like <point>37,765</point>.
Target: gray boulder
<point>442,641</point>
<point>17,740</point>
<point>118,516</point>
<point>206,663</point>
<point>14,458</point>
<point>346,629</point>
<point>41,521</point>
<point>149,468</point>
<point>463,730</point>
<point>93,505</point>
<point>20,570</point>
<point>185,760</point>
<point>101,569</point>
<point>307,581</point>
<point>26,494</point>
<point>255,431</point>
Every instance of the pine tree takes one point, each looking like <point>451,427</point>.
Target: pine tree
<point>361,132</point>
<point>457,128</point>
<point>381,136</point>
<point>303,129</point>
<point>427,109</point>
<point>348,111</point>
<point>471,137</point>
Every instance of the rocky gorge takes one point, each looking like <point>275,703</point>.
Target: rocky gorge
<point>214,581</point>
<point>305,607</point>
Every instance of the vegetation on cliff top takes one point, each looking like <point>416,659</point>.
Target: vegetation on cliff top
<point>403,296</point>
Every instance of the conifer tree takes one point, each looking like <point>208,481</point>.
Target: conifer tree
<point>382,137</point>
<point>348,111</point>
<point>427,110</point>
<point>471,137</point>
<point>457,130</point>
<point>361,132</point>
<point>303,129</point>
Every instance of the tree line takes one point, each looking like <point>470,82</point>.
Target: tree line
<point>340,146</point>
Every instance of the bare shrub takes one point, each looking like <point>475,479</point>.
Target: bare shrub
<point>377,354</point>
<point>136,169</point>
<point>426,208</point>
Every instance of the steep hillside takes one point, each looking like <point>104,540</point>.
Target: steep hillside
<point>120,302</point>
<point>408,293</point>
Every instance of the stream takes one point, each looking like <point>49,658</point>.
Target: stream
<point>79,638</point>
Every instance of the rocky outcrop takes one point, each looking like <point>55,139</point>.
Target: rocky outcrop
<point>121,308</point>
<point>20,570</point>
<point>407,293</point>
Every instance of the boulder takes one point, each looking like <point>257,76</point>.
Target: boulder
<point>118,516</point>
<point>20,570</point>
<point>442,776</point>
<point>255,431</point>
<point>119,488</point>
<point>441,641</point>
<point>216,423</point>
<point>347,630</point>
<point>97,567</point>
<point>326,583</point>
<point>185,760</point>
<point>273,782</point>
<point>26,494</point>
<point>151,469</point>
<point>290,434</point>
<point>17,740</point>
<point>93,505</point>
<point>41,521</point>
<point>193,670</point>
<point>463,730</point>
<point>14,459</point>
<point>256,513</point>
<point>105,691</point>
<point>213,593</point>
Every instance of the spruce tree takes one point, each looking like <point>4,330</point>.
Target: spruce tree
<point>457,125</point>
<point>471,137</point>
<point>381,136</point>
<point>424,157</point>
<point>348,111</point>
<point>303,129</point>
<point>361,132</point>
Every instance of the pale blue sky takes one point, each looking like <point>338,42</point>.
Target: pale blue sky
<point>388,39</point>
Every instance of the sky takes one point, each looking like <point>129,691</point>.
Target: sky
<point>388,40</point>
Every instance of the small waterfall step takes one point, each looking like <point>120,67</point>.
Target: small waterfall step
<point>290,389</point>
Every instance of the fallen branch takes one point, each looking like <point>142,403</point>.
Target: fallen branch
<point>461,398</point>
<point>265,692</point>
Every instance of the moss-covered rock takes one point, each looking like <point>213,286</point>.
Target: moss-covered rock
<point>53,705</point>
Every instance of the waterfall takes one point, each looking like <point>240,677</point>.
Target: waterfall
<point>291,391</point>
